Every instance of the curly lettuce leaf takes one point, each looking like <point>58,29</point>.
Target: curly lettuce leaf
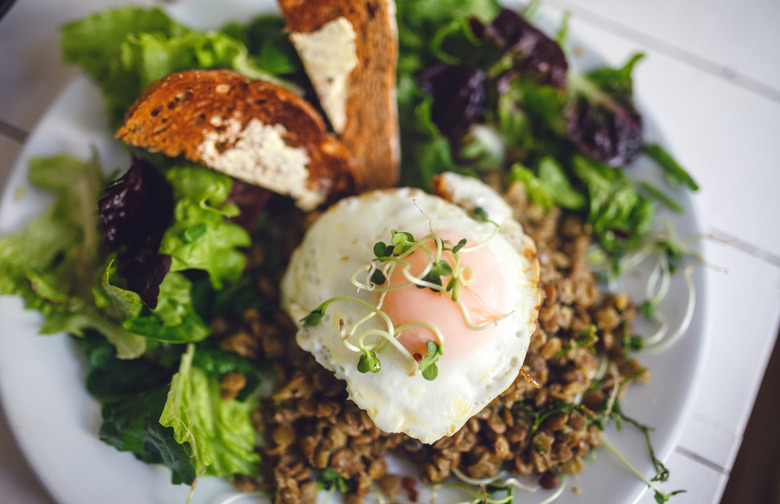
<point>55,262</point>
<point>266,39</point>
<point>123,50</point>
<point>132,395</point>
<point>419,20</point>
<point>173,319</point>
<point>218,433</point>
<point>200,236</point>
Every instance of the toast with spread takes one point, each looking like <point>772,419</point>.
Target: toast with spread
<point>350,49</point>
<point>255,131</point>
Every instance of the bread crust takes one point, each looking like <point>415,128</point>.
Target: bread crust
<point>371,131</point>
<point>186,111</point>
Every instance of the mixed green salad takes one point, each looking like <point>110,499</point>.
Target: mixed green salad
<point>139,265</point>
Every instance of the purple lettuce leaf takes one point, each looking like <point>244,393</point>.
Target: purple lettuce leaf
<point>134,213</point>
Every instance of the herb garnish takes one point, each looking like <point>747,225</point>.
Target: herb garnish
<point>661,471</point>
<point>428,363</point>
<point>444,273</point>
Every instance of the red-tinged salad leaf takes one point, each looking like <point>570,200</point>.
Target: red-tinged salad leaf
<point>423,145</point>
<point>251,200</point>
<point>602,119</point>
<point>135,212</point>
<point>525,49</point>
<point>508,48</point>
<point>458,97</point>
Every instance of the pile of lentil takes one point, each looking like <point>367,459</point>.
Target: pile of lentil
<point>543,424</point>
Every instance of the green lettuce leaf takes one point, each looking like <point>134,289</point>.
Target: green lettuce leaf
<point>219,433</point>
<point>132,394</point>
<point>420,20</point>
<point>534,186</point>
<point>174,319</point>
<point>131,424</point>
<point>426,151</point>
<point>123,50</point>
<point>621,216</point>
<point>266,38</point>
<point>557,182</point>
<point>56,260</point>
<point>200,237</point>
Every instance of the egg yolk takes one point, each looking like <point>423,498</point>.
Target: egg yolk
<point>483,299</point>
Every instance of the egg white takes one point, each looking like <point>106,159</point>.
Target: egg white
<point>396,398</point>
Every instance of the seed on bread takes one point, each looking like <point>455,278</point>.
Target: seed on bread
<point>255,131</point>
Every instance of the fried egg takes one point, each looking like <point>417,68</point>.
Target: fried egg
<point>379,332</point>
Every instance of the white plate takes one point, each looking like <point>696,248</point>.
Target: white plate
<point>56,422</point>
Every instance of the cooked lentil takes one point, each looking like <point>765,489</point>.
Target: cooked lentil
<point>308,423</point>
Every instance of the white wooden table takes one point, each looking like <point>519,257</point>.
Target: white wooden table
<point>714,64</point>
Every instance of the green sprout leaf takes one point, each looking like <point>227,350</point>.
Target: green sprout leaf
<point>674,173</point>
<point>647,308</point>
<point>443,268</point>
<point>432,277</point>
<point>377,277</point>
<point>369,362</point>
<point>383,250</point>
<point>313,318</point>
<point>428,363</point>
<point>460,245</point>
<point>661,497</point>
<point>587,336</point>
<point>674,254</point>
<point>479,214</point>
<point>330,478</point>
<point>402,241</point>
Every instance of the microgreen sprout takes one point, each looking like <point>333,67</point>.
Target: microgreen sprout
<point>459,245</point>
<point>428,365</point>
<point>369,362</point>
<point>479,214</point>
<point>585,338</point>
<point>314,317</point>
<point>498,489</point>
<point>662,473</point>
<point>444,273</point>
<point>669,252</point>
<point>330,479</point>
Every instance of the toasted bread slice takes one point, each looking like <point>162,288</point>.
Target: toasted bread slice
<point>350,51</point>
<point>255,131</point>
